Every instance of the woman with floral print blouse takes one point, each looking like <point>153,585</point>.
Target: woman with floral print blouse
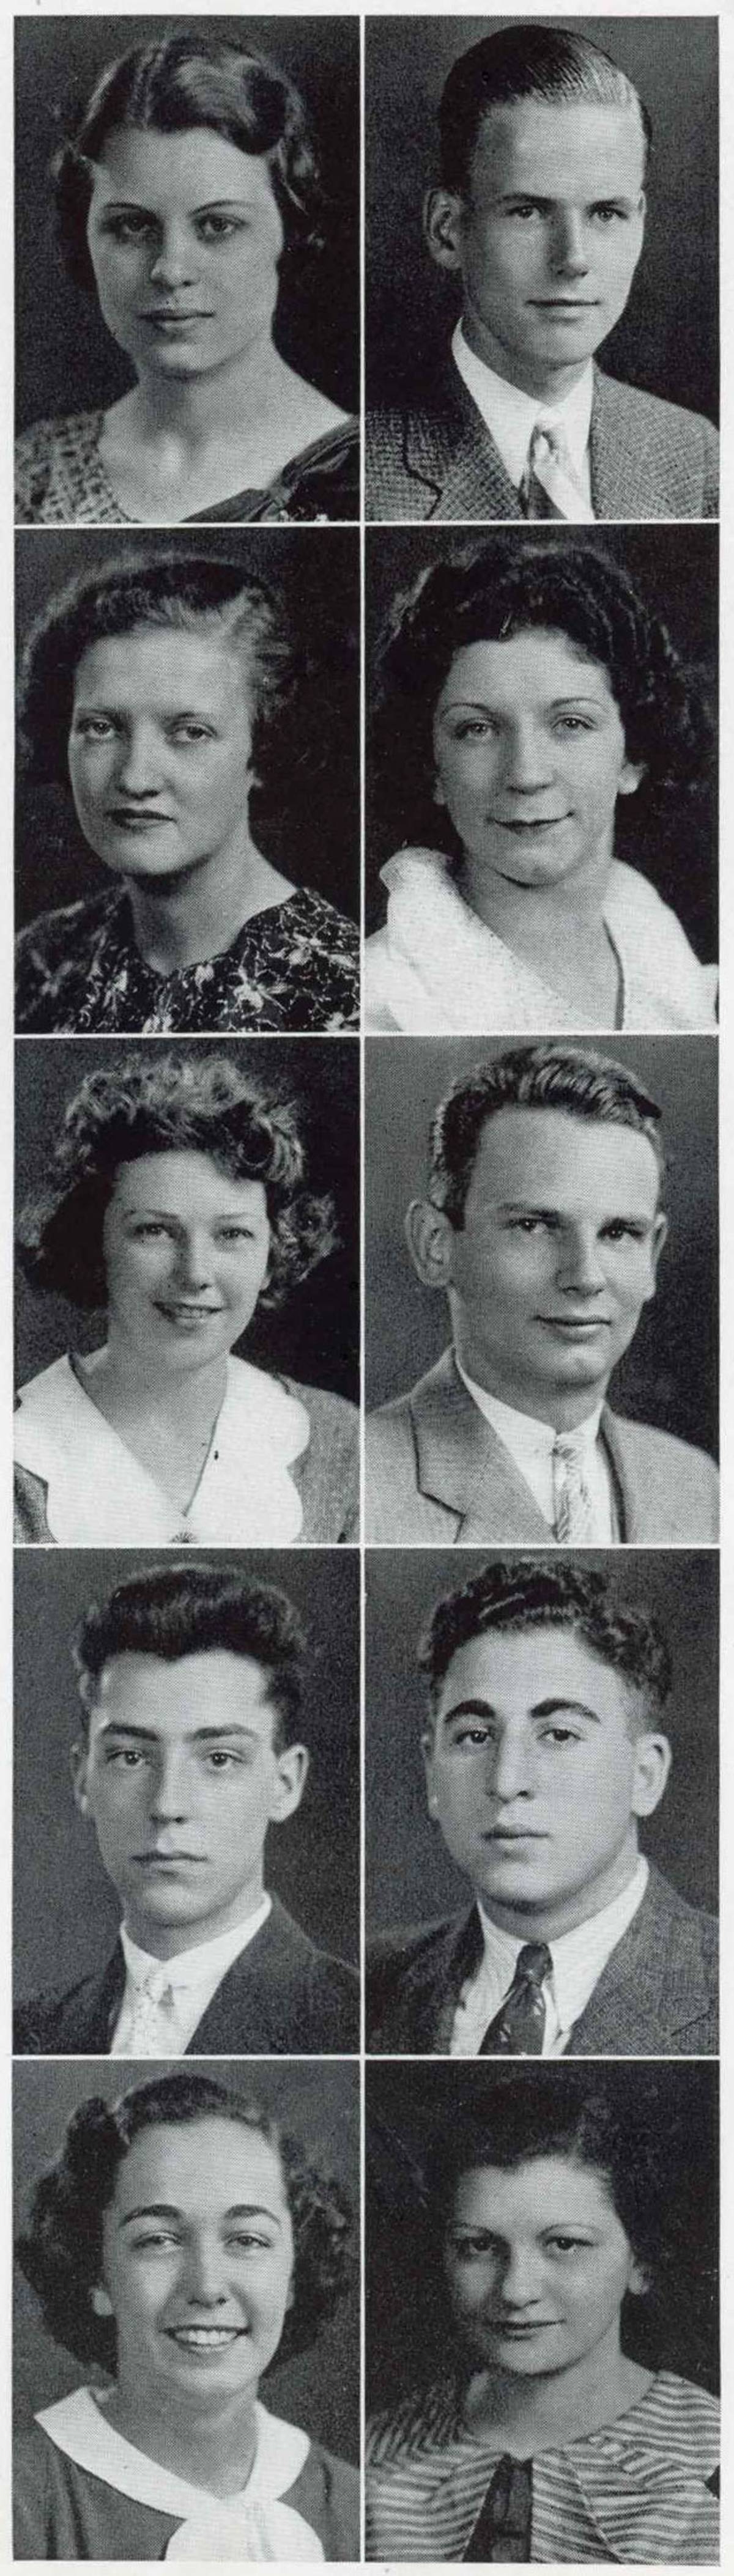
<point>166,689</point>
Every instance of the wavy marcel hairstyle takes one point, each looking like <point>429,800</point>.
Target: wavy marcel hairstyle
<point>508,585</point>
<point>182,81</point>
<point>168,1104</point>
<point>514,1594</point>
<point>61,2250</point>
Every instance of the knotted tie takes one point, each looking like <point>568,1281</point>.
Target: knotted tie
<point>153,1997</point>
<point>518,2028</point>
<point>549,488</point>
<point>572,1507</point>
<point>502,2528</point>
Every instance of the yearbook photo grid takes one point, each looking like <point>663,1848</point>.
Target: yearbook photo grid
<point>367,1126</point>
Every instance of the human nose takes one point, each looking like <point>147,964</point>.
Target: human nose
<point>580,1266</point>
<point>205,2271</point>
<point>569,252</point>
<point>510,1772</point>
<point>175,261</point>
<point>169,1798</point>
<point>138,765</point>
<point>520,2285</point>
<point>528,763</point>
<point>194,1263</point>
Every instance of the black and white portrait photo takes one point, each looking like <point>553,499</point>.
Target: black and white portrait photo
<point>188,270</point>
<point>542,306</point>
<point>174,1885</point>
<point>187,829</point>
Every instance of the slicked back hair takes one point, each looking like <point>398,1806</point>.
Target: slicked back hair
<point>575,1080</point>
<point>519,63</point>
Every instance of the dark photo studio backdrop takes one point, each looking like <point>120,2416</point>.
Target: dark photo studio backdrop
<point>675,2327</point>
<point>668,1377</point>
<point>65,358</point>
<point>306,820</point>
<point>666,341</point>
<point>410,1877</point>
<point>315,1336</point>
<point>319,2103</point>
<point>678,579</point>
<point>66,1911</point>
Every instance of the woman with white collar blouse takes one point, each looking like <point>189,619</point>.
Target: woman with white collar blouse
<point>176,1199</point>
<point>183,2244</point>
<point>524,689</point>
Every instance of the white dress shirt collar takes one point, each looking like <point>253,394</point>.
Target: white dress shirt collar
<point>578,1959</point>
<point>177,1991</point>
<point>510,415</point>
<point>531,1444</point>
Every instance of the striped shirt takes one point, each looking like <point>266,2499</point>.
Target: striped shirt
<point>638,2491</point>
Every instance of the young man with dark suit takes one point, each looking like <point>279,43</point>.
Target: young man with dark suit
<point>543,1751</point>
<point>191,1684</point>
<point>540,216</point>
<point>543,1226</point>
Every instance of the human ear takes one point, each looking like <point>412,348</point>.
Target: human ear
<point>429,1243</point>
<point>659,1237</point>
<point>639,2282</point>
<point>442,227</point>
<point>653,1759</point>
<point>101,2301</point>
<point>631,776</point>
<point>78,1764</point>
<point>289,1782</point>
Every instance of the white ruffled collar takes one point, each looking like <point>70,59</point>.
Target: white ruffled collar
<point>452,971</point>
<point>98,1494</point>
<point>252,2525</point>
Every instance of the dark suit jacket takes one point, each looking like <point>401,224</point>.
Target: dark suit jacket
<point>656,1997</point>
<point>436,1473</point>
<point>282,1997</point>
<point>436,460</point>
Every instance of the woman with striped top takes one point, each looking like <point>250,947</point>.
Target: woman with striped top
<point>545,2441</point>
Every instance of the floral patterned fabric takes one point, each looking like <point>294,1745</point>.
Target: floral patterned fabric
<point>61,481</point>
<point>294,967</point>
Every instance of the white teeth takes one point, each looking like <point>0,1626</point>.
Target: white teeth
<point>208,2336</point>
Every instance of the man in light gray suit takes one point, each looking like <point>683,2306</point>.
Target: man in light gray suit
<point>543,1226</point>
<point>543,1752</point>
<point>540,215</point>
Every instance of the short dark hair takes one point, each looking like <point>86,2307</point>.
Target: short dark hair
<point>171,86</point>
<point>511,2115</point>
<point>167,1104</point>
<point>182,592</point>
<point>573,1079</point>
<point>508,585</point>
<point>514,1594</point>
<point>61,2252</point>
<point>175,1610</point>
<point>535,61</point>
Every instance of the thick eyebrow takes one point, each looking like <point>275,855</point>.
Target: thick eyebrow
<point>197,1734</point>
<point>168,2209</point>
<point>540,1708</point>
<point>172,1216</point>
<point>559,1216</point>
<point>601,197</point>
<point>211,206</point>
<point>481,706</point>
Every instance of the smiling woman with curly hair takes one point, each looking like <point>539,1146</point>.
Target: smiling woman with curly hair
<point>523,688</point>
<point>184,2244</point>
<point>176,1200</point>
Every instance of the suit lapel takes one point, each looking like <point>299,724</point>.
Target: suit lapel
<point>630,1996</point>
<point>463,1465</point>
<point>621,485</point>
<point>449,450</point>
<point>257,2006</point>
<point>430,1990</point>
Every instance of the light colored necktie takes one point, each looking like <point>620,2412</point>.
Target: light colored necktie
<point>573,1515</point>
<point>151,2000</point>
<point>549,488</point>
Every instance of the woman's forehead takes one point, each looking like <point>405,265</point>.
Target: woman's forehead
<point>535,661</point>
<point>541,2189</point>
<point>164,668</point>
<point>204,2163</point>
<point>182,1183</point>
<point>183,171</point>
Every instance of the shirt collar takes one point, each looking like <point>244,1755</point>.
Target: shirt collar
<point>578,1956</point>
<point>197,1965</point>
<point>511,415</point>
<point>520,1432</point>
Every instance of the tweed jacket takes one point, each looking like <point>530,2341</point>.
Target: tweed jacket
<point>437,460</point>
<point>436,1473</point>
<point>657,1995</point>
<point>282,1997</point>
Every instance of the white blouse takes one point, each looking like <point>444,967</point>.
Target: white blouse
<point>99,1495</point>
<point>250,2526</point>
<point>436,967</point>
